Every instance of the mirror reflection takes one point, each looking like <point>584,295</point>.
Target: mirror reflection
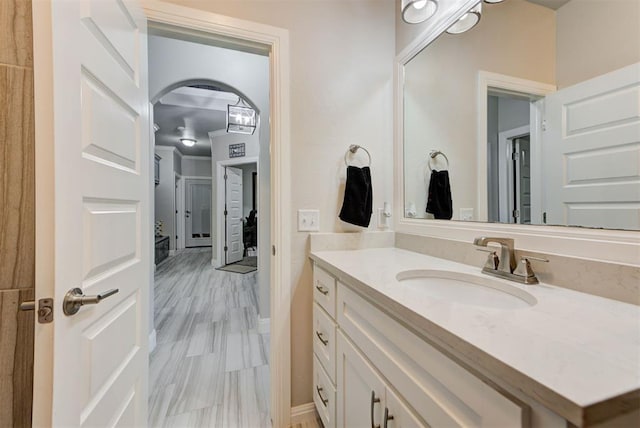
<point>530,117</point>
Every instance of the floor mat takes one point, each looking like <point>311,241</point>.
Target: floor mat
<point>243,266</point>
<point>248,261</point>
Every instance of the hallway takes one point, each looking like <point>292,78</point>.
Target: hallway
<point>210,365</point>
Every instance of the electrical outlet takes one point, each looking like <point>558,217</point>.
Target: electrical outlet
<point>466,214</point>
<point>308,220</point>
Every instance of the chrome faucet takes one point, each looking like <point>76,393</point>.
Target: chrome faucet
<point>505,266</point>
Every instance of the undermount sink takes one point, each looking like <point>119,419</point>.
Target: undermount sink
<point>466,289</point>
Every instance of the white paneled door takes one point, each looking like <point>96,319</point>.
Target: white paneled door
<point>591,152</point>
<point>101,157</point>
<point>233,215</point>
<point>198,213</point>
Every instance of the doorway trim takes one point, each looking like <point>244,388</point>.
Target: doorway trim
<point>494,82</point>
<point>220,259</point>
<point>276,43</point>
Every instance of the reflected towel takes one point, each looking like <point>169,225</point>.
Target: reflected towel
<point>358,197</point>
<point>439,201</point>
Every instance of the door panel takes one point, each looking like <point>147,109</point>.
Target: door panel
<point>198,213</point>
<point>102,222</point>
<point>233,203</point>
<point>592,152</point>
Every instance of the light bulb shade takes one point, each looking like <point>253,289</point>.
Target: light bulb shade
<point>467,21</point>
<point>189,142</point>
<point>417,11</point>
<point>493,1</point>
<point>241,119</point>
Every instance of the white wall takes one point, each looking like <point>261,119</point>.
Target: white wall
<point>441,92</point>
<point>596,37</point>
<point>196,166</point>
<point>341,93</point>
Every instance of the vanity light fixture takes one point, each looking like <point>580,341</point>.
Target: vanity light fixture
<point>467,21</point>
<point>241,118</point>
<point>189,142</point>
<point>417,11</point>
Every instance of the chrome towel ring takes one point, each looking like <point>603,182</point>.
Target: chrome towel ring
<point>433,154</point>
<point>353,149</point>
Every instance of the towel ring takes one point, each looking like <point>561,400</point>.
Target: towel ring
<point>354,148</point>
<point>433,154</point>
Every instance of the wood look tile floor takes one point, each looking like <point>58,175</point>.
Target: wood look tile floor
<point>210,365</point>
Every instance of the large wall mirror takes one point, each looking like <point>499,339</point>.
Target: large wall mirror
<point>531,117</point>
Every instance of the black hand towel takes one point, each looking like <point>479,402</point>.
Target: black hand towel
<point>358,197</point>
<point>439,201</point>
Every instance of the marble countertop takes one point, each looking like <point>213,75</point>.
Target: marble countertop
<point>575,353</point>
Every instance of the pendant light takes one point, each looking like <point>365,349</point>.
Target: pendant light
<point>493,1</point>
<point>467,21</point>
<point>241,118</point>
<point>417,11</point>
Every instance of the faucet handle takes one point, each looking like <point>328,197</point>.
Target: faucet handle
<point>492,258</point>
<point>524,268</point>
<point>538,259</point>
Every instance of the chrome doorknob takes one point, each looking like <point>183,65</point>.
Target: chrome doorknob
<point>75,299</point>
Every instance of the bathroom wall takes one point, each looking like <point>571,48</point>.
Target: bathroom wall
<point>196,166</point>
<point>17,218</point>
<point>444,80</point>
<point>596,38</point>
<point>341,93</point>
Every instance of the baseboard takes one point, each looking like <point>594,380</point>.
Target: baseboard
<point>264,325</point>
<point>302,412</point>
<point>152,340</point>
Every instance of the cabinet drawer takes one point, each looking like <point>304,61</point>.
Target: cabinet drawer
<point>324,340</point>
<point>442,392</point>
<point>324,395</point>
<point>324,290</point>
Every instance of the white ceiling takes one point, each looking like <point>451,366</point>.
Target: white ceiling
<point>551,4</point>
<point>199,111</point>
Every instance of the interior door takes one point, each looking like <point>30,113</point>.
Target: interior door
<point>198,213</point>
<point>233,214</point>
<point>591,152</point>
<point>91,367</point>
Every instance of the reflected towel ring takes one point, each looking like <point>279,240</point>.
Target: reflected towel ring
<point>433,154</point>
<point>354,148</point>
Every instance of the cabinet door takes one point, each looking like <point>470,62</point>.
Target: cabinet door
<point>360,389</point>
<point>398,415</point>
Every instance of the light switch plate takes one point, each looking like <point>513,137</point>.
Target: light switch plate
<point>308,220</point>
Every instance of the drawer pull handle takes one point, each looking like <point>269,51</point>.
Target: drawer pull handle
<point>324,400</point>
<point>324,341</point>
<point>321,289</point>
<point>374,400</point>
<point>387,416</point>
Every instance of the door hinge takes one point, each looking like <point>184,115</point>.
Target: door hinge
<point>45,309</point>
<point>516,213</point>
<point>225,213</point>
<point>544,124</point>
<point>225,176</point>
<point>226,248</point>
<point>544,217</point>
<point>273,250</point>
<point>515,156</point>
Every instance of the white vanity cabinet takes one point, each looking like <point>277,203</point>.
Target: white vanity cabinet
<point>367,365</point>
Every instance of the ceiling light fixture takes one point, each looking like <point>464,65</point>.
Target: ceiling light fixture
<point>493,1</point>
<point>241,118</point>
<point>417,11</point>
<point>467,21</point>
<point>189,142</point>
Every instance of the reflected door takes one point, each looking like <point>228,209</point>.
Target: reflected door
<point>197,213</point>
<point>522,180</point>
<point>591,150</point>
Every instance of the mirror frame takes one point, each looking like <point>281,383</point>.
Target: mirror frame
<point>607,245</point>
